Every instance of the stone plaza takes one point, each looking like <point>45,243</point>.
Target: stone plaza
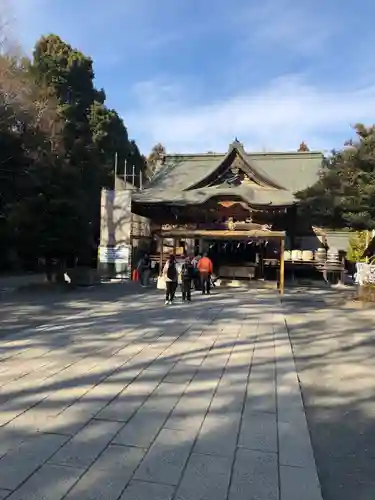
<point>132,400</point>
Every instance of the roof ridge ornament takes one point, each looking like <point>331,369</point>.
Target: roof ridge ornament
<point>236,144</point>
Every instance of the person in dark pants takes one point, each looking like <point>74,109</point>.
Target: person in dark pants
<point>205,268</point>
<point>205,283</point>
<point>171,278</point>
<point>187,274</point>
<point>144,270</point>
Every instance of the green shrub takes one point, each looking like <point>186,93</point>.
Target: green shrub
<point>357,246</point>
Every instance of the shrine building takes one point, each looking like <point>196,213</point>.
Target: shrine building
<point>239,207</point>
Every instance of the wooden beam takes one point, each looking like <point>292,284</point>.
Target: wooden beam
<point>216,234</point>
<point>282,267</point>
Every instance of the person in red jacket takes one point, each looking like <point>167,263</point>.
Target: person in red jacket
<point>205,269</point>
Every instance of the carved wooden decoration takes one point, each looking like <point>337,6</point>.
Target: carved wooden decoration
<point>234,175</point>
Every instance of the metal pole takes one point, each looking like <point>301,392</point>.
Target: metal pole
<point>125,168</point>
<point>161,239</point>
<point>140,181</point>
<point>282,266</point>
<point>133,175</point>
<point>116,161</point>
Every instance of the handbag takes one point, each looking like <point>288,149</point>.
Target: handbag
<point>160,284</point>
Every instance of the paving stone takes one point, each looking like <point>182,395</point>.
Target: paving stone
<point>206,477</point>
<point>86,445</point>
<point>10,439</point>
<point>90,404</point>
<point>261,396</point>
<point>51,482</point>
<point>43,418</point>
<point>128,377</point>
<point>19,463</point>
<point>71,420</point>
<point>259,431</point>
<point>181,373</point>
<point>138,490</point>
<point>107,478</point>
<point>229,397</point>
<point>294,444</point>
<point>166,458</point>
<point>255,475</point>
<point>298,483</point>
<point>218,435</point>
<point>289,400</point>
<point>142,429</point>
<point>190,411</point>
<point>231,390</point>
<point>127,403</point>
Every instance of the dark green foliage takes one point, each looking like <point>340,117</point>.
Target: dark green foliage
<point>58,142</point>
<point>345,194</point>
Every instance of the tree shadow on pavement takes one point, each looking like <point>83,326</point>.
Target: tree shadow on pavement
<point>127,357</point>
<point>334,349</point>
<point>117,366</point>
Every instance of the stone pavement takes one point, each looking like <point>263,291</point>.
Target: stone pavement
<point>138,401</point>
<point>334,347</point>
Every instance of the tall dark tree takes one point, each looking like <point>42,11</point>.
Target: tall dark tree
<point>344,196</point>
<point>110,138</point>
<point>69,77</point>
<point>58,142</point>
<point>29,136</point>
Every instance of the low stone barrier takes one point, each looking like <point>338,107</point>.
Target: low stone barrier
<point>366,293</point>
<point>365,279</point>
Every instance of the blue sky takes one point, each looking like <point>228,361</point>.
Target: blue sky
<point>193,74</point>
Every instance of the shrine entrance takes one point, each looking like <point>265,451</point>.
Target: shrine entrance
<point>246,254</point>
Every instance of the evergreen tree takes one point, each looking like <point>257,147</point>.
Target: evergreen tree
<point>344,196</point>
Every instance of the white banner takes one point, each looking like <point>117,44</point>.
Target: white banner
<point>114,255</point>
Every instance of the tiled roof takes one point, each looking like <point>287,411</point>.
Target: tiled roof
<point>293,172</point>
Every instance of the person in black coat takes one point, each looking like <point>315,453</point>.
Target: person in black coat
<point>187,275</point>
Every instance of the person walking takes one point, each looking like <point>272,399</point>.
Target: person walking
<point>205,269</point>
<point>196,277</point>
<point>170,275</point>
<point>187,274</point>
<point>144,270</point>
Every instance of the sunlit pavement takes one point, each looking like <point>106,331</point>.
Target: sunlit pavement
<point>133,400</point>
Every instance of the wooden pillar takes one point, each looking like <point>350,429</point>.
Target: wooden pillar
<point>282,266</point>
<point>161,239</point>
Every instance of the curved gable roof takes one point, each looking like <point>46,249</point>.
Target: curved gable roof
<point>278,173</point>
<point>234,152</point>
